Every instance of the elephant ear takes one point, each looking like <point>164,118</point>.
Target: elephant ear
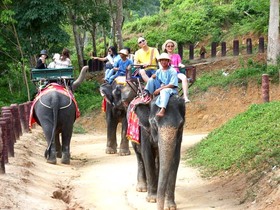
<point>106,91</point>
<point>143,111</point>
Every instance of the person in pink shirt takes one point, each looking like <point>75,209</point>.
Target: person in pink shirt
<point>169,46</point>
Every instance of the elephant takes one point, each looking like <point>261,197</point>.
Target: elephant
<point>55,111</point>
<point>158,154</point>
<point>115,114</point>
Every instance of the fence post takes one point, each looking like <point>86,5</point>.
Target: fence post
<point>224,49</point>
<point>265,88</point>
<point>261,45</point>
<point>4,127</point>
<point>213,49</point>
<point>10,133</point>
<point>2,157</point>
<point>249,46</point>
<point>9,110</point>
<point>191,55</point>
<point>235,47</point>
<point>202,52</point>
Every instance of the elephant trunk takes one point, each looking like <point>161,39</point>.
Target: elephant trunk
<point>167,148</point>
<point>80,79</point>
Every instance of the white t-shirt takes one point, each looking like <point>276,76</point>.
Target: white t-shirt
<point>62,64</point>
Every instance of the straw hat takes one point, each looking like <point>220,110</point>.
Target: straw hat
<point>169,41</point>
<point>124,52</point>
<point>163,56</point>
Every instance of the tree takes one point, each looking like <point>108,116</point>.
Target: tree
<point>119,24</point>
<point>273,33</point>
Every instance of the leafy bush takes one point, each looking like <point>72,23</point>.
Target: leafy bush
<point>88,96</point>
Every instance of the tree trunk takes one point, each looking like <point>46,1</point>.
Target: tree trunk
<point>113,27</point>
<point>273,33</point>
<point>93,40</point>
<point>78,41</point>
<point>119,21</point>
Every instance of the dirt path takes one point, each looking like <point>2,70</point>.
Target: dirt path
<point>97,181</point>
<point>108,181</point>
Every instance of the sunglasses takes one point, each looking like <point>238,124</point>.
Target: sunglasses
<point>170,46</point>
<point>141,41</point>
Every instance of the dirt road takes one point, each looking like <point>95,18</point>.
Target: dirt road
<point>97,181</point>
<point>108,181</point>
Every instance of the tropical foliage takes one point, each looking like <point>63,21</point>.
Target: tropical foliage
<point>28,26</point>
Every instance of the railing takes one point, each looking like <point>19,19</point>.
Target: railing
<point>223,49</point>
<point>14,121</point>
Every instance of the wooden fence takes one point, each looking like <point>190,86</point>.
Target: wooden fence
<point>14,121</point>
<point>223,49</point>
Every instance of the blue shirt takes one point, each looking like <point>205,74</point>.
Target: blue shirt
<point>122,65</point>
<point>168,76</point>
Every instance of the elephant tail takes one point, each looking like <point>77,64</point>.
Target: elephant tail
<point>52,140</point>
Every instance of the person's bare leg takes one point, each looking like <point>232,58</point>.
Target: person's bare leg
<point>184,80</point>
<point>144,75</point>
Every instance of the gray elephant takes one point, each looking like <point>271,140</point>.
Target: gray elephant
<point>158,154</point>
<point>115,114</point>
<point>55,110</point>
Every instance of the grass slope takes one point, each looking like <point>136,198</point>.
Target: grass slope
<point>249,141</point>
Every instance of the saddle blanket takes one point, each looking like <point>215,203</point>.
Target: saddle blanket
<point>51,87</point>
<point>133,129</point>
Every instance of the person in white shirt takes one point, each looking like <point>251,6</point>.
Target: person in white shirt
<point>64,60</point>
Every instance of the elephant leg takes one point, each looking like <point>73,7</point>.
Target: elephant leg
<point>58,146</point>
<point>149,157</point>
<point>124,146</point>
<point>111,136</point>
<point>141,175</point>
<point>51,154</point>
<point>66,139</point>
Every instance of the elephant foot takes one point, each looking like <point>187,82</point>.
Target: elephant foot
<point>151,198</point>
<point>59,154</point>
<point>50,156</point>
<point>51,160</point>
<point>141,187</point>
<point>65,159</point>
<point>124,152</point>
<point>170,205</point>
<point>110,150</point>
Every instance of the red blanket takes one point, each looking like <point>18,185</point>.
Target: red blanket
<point>103,105</point>
<point>47,89</point>
<point>133,129</point>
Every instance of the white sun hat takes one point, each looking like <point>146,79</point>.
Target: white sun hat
<point>163,56</point>
<point>124,52</point>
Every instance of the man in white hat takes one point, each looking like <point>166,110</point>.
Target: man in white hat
<point>163,83</point>
<point>119,68</point>
<point>146,56</point>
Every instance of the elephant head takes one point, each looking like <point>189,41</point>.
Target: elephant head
<point>115,113</point>
<point>163,136</point>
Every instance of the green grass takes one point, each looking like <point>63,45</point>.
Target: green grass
<point>239,77</point>
<point>249,141</point>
